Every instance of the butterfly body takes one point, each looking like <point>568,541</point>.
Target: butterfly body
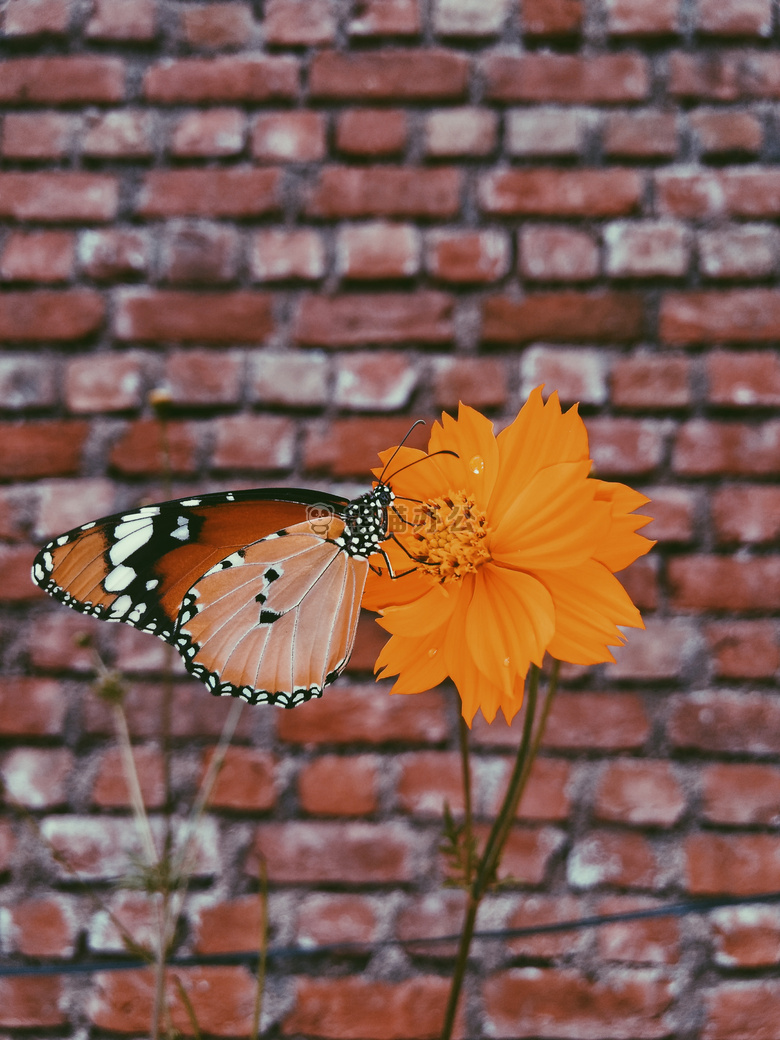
<point>259,591</point>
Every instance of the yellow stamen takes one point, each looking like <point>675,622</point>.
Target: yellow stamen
<point>451,537</point>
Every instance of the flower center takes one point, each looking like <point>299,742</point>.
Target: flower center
<point>451,537</point>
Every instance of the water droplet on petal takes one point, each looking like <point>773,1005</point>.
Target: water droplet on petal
<point>477,465</point>
<point>432,652</point>
<point>506,662</point>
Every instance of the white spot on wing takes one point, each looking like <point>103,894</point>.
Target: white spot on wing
<point>119,578</point>
<point>120,607</point>
<point>130,537</point>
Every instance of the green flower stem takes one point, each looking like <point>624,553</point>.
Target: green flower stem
<point>489,860</point>
<point>468,832</point>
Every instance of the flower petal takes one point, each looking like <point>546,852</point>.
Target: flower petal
<point>621,545</point>
<point>539,437</point>
<point>423,615</point>
<point>589,605</point>
<point>553,522</point>
<point>419,664</point>
<point>471,437</point>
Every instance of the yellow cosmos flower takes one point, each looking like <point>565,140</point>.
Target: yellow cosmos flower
<point>508,551</point>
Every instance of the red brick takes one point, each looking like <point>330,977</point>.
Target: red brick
<point>743,649</point>
<point>731,723</point>
<point>369,640</point>
<point>378,250</point>
<point>663,651</point>
<point>468,256</point>
<point>53,643</point>
<point>746,936</point>
<point>252,78</point>
<point>139,450</point>
<point>228,926</point>
<point>616,857</point>
<point>136,654</point>
<point>36,17</point>
<point>648,381</point>
<point>200,253</point>
<point>690,193</point>
<point>578,374</point>
<point>636,18</point>
<point>640,793</point>
<point>119,135</point>
<point>117,20</point>
<point>38,135</point>
<point>561,193</point>
<point>738,864</point>
<point>720,133</point>
<point>31,707</point>
<point>355,1008</point>
<point>733,316</point>
<point>539,910</point>
<point>427,74</point>
<point>385,191</point>
<point>557,254</point>
<point>747,379</point>
<point>44,927</point>
<point>349,446</point>
<point>194,713</point>
<point>31,1002</point>
<point>429,779</point>
<point>204,377</point>
<point>743,192</point>
<point>114,254</point>
<point>470,17</point>
<point>724,75</point>
<point>563,317</point>
<point>183,317</point>
<point>746,513</point>
<point>724,583</point>
<point>63,504</point>
<point>466,131</point>
<point>294,380</point>
<point>58,196</point>
<point>15,564</point>
<point>7,845</point>
<point>546,796</point>
<point>75,79</point>
<point>735,17</point>
<point>218,25</point>
<point>365,715</point>
<point>641,135</point>
<point>482,381</point>
<point>38,256</point>
<point>622,446</point>
<point>371,131</point>
<point>299,23</point>
<point>567,78</point>
<point>329,917</point>
<point>376,381</point>
<point>704,447</point>
<point>215,131</point>
<point>16,504</point>
<point>551,17</point>
<point>562,1003</point>
<point>605,721</point>
<point>354,853</point>
<point>653,941</point>
<point>104,382</point>
<point>37,779</point>
<point>380,18</point>
<point>674,513</point>
<point>646,249</point>
<point>742,1011</point>
<point>545,131</point>
<point>245,783</point>
<point>436,913</point>
<point>41,449</point>
<point>260,443</point>
<point>355,320</point>
<point>335,785</point>
<point>110,790</point>
<point>221,999</point>
<point>289,137</point>
<point>277,256</point>
<point>229,192</point>
<point>741,795</point>
<point>747,251</point>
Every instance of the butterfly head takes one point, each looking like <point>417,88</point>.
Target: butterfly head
<point>365,522</point>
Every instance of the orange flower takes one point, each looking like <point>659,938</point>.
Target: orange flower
<point>508,551</point>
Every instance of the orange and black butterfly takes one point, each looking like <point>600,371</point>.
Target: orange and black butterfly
<point>259,591</point>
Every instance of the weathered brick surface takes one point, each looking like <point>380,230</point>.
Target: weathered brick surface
<point>304,224</point>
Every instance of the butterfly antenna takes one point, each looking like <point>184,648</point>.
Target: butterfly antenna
<point>444,451</point>
<point>406,437</point>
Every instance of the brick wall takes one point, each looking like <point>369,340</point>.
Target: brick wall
<point>311,222</point>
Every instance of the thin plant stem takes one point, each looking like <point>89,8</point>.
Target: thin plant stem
<point>133,784</point>
<point>491,855</point>
<point>468,824</point>
<point>262,950</point>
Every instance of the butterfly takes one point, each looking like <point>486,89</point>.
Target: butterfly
<point>259,591</point>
